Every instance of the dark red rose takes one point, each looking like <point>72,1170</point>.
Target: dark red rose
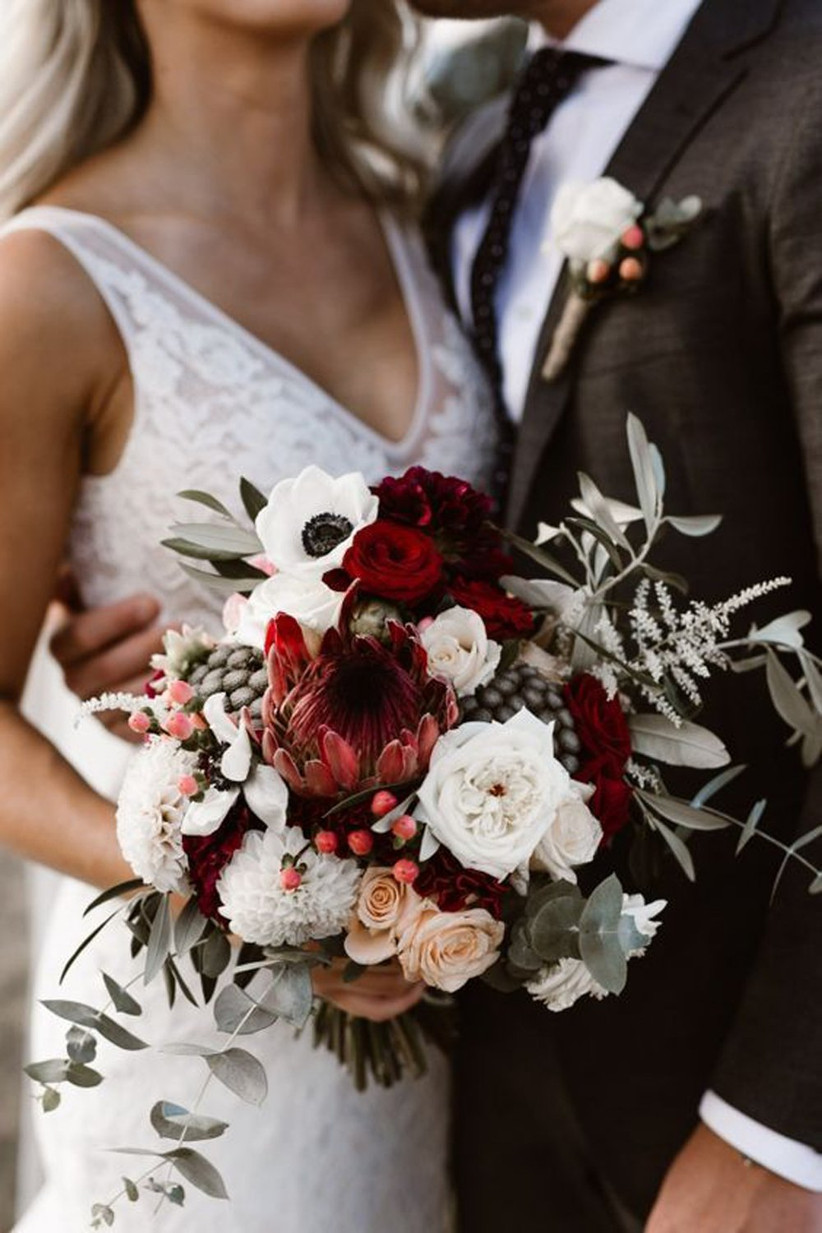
<point>599,721</point>
<point>208,855</point>
<point>504,616</point>
<point>454,888</point>
<point>393,561</point>
<point>611,802</point>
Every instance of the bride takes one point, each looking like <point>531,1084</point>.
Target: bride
<point>208,267</point>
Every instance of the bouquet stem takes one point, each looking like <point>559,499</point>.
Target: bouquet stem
<point>384,1053</point>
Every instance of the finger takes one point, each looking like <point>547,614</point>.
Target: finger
<point>66,590</point>
<point>379,1010</point>
<point>87,633</point>
<point>113,670</point>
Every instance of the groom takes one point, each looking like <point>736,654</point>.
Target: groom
<point>693,1102</point>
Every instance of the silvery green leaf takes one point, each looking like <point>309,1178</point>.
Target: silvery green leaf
<point>584,654</point>
<point>214,957</point>
<point>539,555</point>
<point>715,785</point>
<point>188,548</point>
<point>236,1011</point>
<point>784,630</point>
<point>81,1046</point>
<point>86,941</point>
<point>188,928</point>
<point>599,943</point>
<point>597,508</point>
<point>115,892</point>
<point>553,929</point>
<point>643,468</point>
<point>171,1121</point>
<point>630,938</point>
<point>200,1172</point>
<point>159,940</point>
<point>51,1071</point>
<point>101,1211</point>
<point>786,696</point>
<point>184,1048</point>
<point>51,1099</point>
<point>521,953</point>
<point>681,813</point>
<point>253,500</point>
<point>205,498</point>
<point>241,1073</point>
<point>812,745</point>
<point>227,541</point>
<point>117,1035</point>
<point>132,1193</point>
<point>223,586</point>
<point>557,597</point>
<point>658,738</point>
<point>176,1194</point>
<point>659,469</point>
<point>678,848</point>
<point>121,998</point>
<point>815,888</point>
<point>813,678</point>
<point>751,824</point>
<point>429,845</point>
<point>83,1076</point>
<point>88,1017</point>
<point>290,994</point>
<point>695,525</point>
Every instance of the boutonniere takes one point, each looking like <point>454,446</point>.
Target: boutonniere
<point>607,238</point>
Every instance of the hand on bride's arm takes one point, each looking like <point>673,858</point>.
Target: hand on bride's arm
<point>380,993</point>
<point>710,1188</point>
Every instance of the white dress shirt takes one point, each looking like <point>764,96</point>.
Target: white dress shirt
<point>638,37</point>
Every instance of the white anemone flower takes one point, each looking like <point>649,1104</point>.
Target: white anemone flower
<point>310,522</point>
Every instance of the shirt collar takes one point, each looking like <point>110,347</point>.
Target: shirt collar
<point>639,33</point>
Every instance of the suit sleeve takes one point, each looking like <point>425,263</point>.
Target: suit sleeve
<point>771,1066</point>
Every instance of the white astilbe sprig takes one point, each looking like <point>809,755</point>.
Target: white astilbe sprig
<point>128,703</point>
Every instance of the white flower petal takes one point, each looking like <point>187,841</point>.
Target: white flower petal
<point>267,795</point>
<point>206,816</point>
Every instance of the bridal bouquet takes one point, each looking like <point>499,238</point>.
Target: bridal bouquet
<point>398,751</point>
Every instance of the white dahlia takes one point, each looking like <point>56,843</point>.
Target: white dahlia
<point>261,909</point>
<point>150,813</point>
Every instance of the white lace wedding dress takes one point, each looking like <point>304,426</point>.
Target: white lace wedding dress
<point>212,402</point>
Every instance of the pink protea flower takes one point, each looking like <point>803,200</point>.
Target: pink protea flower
<point>357,715</point>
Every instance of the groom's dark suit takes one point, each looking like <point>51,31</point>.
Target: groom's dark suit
<point>720,354</point>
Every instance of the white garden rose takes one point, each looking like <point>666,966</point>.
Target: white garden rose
<point>310,522</point>
<point>460,651</point>
<point>562,984</point>
<point>308,600</point>
<point>493,790</point>
<point>150,813</point>
<point>447,949</point>
<point>587,220</point>
<point>572,838</point>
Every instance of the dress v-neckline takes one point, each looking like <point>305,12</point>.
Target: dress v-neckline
<point>405,282</point>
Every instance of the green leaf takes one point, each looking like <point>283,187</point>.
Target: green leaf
<point>83,1076</point>
<point>101,1211</point>
<point>681,813</point>
<point>132,1193</point>
<point>189,927</point>
<point>215,955</point>
<point>678,848</point>
<point>539,555</point>
<point>520,951</point>
<point>241,1073</point>
<point>643,468</point>
<point>813,677</point>
<point>80,1045</point>
<point>658,738</point>
<point>290,994</point>
<point>784,631</point>
<point>184,1048</point>
<point>598,508</point>
<point>786,696</point>
<point>51,1071</point>
<point>751,824</point>
<point>252,498</point>
<point>223,586</point>
<point>815,888</point>
<point>218,539</point>
<point>87,1016</point>
<point>86,941</point>
<point>236,1011</point>
<point>159,940</point>
<point>50,1100</point>
<point>695,525</point>
<point>172,1121</point>
<point>205,498</point>
<point>599,941</point>
<point>121,998</point>
<point>720,781</point>
<point>115,892</point>
<point>554,928</point>
<point>188,548</point>
<point>200,1172</point>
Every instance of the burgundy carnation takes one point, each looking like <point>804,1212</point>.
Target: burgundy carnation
<point>453,887</point>
<point>504,615</point>
<point>603,731</point>
<point>394,562</point>
<point>208,855</point>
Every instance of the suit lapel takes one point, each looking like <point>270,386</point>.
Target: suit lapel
<point>700,74</point>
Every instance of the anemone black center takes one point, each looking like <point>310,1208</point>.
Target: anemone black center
<point>323,532</point>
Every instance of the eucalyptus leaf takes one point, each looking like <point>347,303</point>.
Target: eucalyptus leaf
<point>115,892</point>
<point>751,824</point>
<point>172,1121</point>
<point>159,940</point>
<point>51,1071</point>
<point>678,848</point>
<point>643,468</point>
<point>815,888</point>
<point>720,781</point>
<point>600,512</point>
<point>784,631</point>
<point>554,929</point>
<point>88,1017</point>
<point>695,525</point>
<point>241,1073</point>
<point>658,738</point>
<point>189,548</point>
<point>205,498</point>
<point>121,998</point>
<point>236,1011</point>
<point>223,586</point>
<point>520,951</point>
<point>184,1048</point>
<point>200,1172</point>
<point>51,1100</point>
<point>681,813</point>
<point>132,1193</point>
<point>216,537</point>
<point>81,1045</point>
<point>290,994</point>
<point>786,696</point>
<point>86,941</point>
<point>543,558</point>
<point>253,500</point>
<point>215,955</point>
<point>101,1211</point>
<point>83,1076</point>
<point>189,927</point>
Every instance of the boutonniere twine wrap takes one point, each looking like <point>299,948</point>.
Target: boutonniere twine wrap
<point>607,239</point>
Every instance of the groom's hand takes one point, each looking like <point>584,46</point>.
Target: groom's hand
<point>710,1188</point>
<point>380,993</point>
<point>108,649</point>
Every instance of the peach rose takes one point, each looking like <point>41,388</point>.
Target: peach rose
<point>447,949</point>
<point>384,909</point>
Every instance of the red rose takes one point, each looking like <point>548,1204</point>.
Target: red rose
<point>503,615</point>
<point>599,721</point>
<point>208,855</point>
<point>611,802</point>
<point>454,888</point>
<point>394,562</point>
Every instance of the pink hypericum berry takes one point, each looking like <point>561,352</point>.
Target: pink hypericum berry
<point>139,722</point>
<point>631,270</point>
<point>188,785</point>
<point>361,842</point>
<point>180,692</point>
<point>179,725</point>
<point>198,722</point>
<point>405,827</point>
<point>326,841</point>
<point>633,238</point>
<point>382,803</point>
<point>598,271</point>
<point>290,878</point>
<point>406,872</point>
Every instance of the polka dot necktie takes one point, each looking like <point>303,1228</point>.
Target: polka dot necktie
<point>548,77</point>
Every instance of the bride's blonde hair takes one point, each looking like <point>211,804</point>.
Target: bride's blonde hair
<point>75,75</point>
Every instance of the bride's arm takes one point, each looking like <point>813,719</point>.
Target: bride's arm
<point>58,357</point>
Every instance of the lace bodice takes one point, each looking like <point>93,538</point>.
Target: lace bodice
<point>212,403</point>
